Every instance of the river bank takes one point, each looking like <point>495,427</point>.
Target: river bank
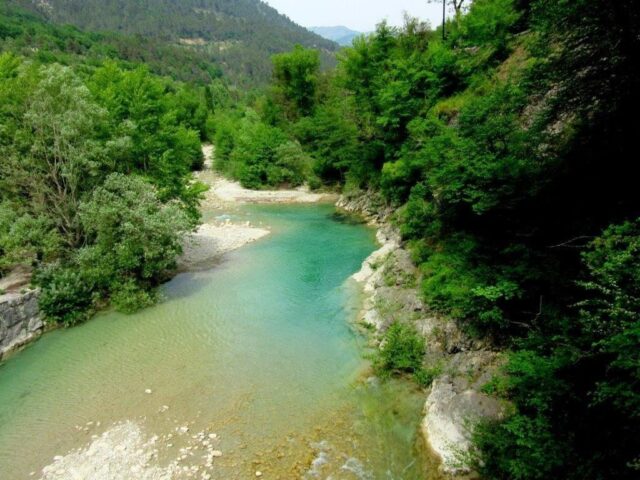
<point>454,402</point>
<point>20,320</point>
<point>220,234</point>
<point>257,351</point>
<point>299,380</point>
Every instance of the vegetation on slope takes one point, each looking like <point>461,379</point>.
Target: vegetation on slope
<point>28,34</point>
<point>508,149</point>
<point>239,35</point>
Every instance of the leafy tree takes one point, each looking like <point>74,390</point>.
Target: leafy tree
<point>132,233</point>
<point>133,242</point>
<point>296,80</point>
<point>57,151</point>
<point>611,315</point>
<point>25,240</point>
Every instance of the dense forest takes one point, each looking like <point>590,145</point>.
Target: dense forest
<point>96,155</point>
<point>238,35</point>
<point>505,147</point>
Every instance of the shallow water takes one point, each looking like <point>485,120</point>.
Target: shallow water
<point>258,349</point>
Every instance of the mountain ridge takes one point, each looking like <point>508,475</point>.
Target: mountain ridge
<point>340,34</point>
<point>240,34</point>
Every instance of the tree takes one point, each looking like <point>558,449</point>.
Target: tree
<point>611,315</point>
<point>296,80</point>
<point>57,155</point>
<point>133,235</point>
<point>133,240</point>
<point>457,5</point>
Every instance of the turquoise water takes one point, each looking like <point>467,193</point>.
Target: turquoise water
<point>259,349</point>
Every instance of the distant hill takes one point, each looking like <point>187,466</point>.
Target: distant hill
<point>341,35</point>
<point>240,34</point>
<point>26,33</point>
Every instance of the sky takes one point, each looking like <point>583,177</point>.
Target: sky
<point>360,15</point>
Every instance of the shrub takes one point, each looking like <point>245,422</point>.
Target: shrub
<point>67,296</point>
<point>130,297</point>
<point>402,351</point>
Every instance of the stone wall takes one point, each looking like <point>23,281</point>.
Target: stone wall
<point>20,320</point>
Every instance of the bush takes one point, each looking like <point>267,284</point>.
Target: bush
<point>402,351</point>
<point>130,297</point>
<point>67,295</point>
<point>259,155</point>
<point>134,240</point>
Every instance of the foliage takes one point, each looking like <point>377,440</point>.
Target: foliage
<point>296,78</point>
<point>589,384</point>
<point>29,34</point>
<point>506,147</point>
<point>401,352</point>
<point>67,296</point>
<point>259,155</point>
<point>611,315</point>
<point>25,239</point>
<point>238,36</point>
<point>133,241</point>
<point>96,186</point>
<point>331,139</point>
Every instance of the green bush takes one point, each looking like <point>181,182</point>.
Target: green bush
<point>260,155</point>
<point>67,295</point>
<point>134,240</point>
<point>402,351</point>
<point>129,297</point>
<point>425,376</point>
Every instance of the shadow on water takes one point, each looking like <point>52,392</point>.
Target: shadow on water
<point>347,218</point>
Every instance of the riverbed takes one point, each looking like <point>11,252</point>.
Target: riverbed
<point>249,367</point>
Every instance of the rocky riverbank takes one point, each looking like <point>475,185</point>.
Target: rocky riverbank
<point>125,452</point>
<point>454,402</point>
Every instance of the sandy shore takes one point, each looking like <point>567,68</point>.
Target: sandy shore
<point>228,191</point>
<point>212,240</point>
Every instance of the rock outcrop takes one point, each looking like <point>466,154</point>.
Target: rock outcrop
<point>454,406</point>
<point>20,320</point>
<point>455,402</point>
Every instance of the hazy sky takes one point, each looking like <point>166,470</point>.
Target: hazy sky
<point>361,15</point>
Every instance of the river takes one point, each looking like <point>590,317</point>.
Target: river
<point>258,349</point>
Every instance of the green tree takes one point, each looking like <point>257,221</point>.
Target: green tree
<point>296,80</point>
<point>133,242</point>
<point>57,154</point>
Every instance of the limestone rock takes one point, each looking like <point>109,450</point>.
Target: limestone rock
<point>452,410</point>
<point>20,320</point>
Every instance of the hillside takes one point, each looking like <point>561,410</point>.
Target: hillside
<point>240,35</point>
<point>341,35</point>
<point>28,34</point>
